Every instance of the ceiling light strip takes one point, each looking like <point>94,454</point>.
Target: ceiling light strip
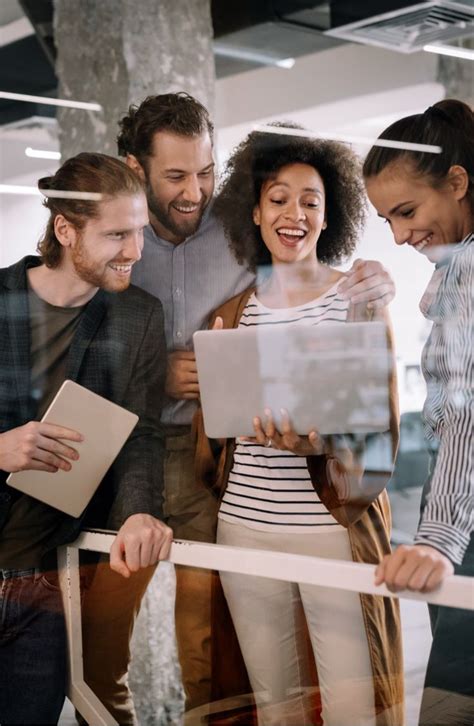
<point>50,101</point>
<point>42,154</point>
<point>361,140</point>
<point>53,193</point>
<point>450,50</point>
<point>228,51</point>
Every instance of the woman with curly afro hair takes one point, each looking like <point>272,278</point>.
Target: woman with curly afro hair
<point>257,160</point>
<point>292,207</point>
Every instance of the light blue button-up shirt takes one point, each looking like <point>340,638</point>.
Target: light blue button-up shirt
<point>191,279</point>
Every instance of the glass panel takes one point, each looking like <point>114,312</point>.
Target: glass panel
<point>314,425</point>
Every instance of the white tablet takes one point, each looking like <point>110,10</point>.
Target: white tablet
<point>333,377</point>
<point>105,427</point>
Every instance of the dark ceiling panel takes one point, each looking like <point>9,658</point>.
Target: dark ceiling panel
<point>40,14</point>
<point>347,11</point>
<point>25,69</point>
<point>233,15</point>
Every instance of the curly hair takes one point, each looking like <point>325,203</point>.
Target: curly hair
<point>259,158</point>
<point>178,113</point>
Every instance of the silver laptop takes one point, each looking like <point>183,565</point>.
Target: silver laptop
<point>105,427</point>
<point>332,377</point>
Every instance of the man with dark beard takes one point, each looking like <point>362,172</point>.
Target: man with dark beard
<point>168,141</point>
<point>61,318</point>
<point>187,264</point>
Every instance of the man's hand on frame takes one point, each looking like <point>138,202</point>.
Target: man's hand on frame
<point>140,542</point>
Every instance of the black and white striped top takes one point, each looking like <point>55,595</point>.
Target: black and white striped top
<point>269,489</point>
<point>448,368</point>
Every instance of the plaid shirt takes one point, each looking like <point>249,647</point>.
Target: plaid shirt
<point>119,352</point>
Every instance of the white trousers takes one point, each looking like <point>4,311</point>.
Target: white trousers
<point>267,619</point>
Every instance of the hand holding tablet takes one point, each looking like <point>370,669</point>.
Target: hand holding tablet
<point>38,446</point>
<point>104,428</point>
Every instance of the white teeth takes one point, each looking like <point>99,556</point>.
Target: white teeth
<point>185,209</point>
<point>121,268</point>
<point>292,232</point>
<point>422,243</point>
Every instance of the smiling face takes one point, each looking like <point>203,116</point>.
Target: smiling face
<point>291,213</point>
<point>179,175</point>
<point>103,252</point>
<point>422,216</point>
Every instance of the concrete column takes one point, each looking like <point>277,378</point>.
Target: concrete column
<point>155,676</point>
<point>116,52</point>
<point>456,75</point>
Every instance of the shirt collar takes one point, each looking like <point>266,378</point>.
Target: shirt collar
<point>454,249</point>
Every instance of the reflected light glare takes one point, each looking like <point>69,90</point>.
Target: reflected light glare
<point>362,140</point>
<point>56,193</point>
<point>16,189</point>
<point>286,63</point>
<point>50,101</point>
<point>253,56</point>
<point>450,50</point>
<point>42,154</point>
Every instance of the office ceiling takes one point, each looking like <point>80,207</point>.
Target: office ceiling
<point>248,33</point>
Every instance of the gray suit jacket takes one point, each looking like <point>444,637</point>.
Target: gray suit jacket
<point>119,352</point>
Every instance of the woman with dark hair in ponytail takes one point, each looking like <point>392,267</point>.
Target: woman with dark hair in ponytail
<point>427,198</point>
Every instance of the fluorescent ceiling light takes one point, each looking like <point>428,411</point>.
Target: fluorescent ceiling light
<point>16,30</point>
<point>53,193</point>
<point>50,101</point>
<point>16,189</point>
<point>42,154</point>
<point>362,140</point>
<point>230,51</point>
<point>450,50</point>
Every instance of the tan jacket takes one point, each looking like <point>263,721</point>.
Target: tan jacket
<point>368,523</point>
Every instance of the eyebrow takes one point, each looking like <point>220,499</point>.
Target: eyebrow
<point>183,171</point>
<point>313,190</point>
<point>396,208</point>
<point>115,230</point>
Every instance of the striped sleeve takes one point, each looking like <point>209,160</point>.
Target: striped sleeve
<point>448,518</point>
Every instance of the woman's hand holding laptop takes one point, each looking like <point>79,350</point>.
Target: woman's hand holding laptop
<point>285,438</point>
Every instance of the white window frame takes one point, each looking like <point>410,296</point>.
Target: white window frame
<point>456,591</point>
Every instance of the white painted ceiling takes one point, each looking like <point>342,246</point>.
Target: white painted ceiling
<point>10,11</point>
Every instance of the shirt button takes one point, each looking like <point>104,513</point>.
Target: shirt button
<point>179,334</point>
<point>177,291</point>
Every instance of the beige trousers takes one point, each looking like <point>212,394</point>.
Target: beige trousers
<point>266,615</point>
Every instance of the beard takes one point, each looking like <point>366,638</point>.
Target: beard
<point>182,229</point>
<point>88,272</point>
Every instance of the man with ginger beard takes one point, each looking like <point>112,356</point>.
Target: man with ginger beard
<point>61,318</point>
<point>187,264</point>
